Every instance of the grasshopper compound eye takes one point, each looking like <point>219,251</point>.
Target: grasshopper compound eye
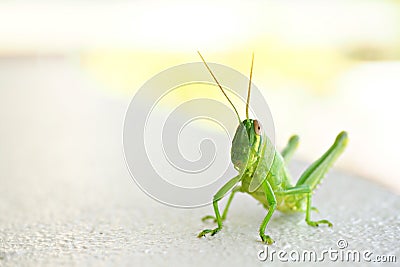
<point>257,127</point>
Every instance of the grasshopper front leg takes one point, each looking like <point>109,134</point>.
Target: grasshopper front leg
<point>269,193</point>
<point>217,197</point>
<point>225,212</point>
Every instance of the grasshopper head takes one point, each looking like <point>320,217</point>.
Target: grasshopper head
<point>253,129</point>
<point>246,142</point>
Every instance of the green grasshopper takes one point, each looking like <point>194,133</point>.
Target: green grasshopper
<point>267,178</point>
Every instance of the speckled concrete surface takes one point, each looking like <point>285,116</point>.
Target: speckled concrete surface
<point>66,196</point>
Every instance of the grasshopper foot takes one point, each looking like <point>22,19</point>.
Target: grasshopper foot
<point>208,231</point>
<point>316,223</point>
<point>315,209</point>
<point>266,239</point>
<point>209,217</point>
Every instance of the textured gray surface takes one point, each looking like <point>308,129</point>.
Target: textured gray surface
<point>67,198</point>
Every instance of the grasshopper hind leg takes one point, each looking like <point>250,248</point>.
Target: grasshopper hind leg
<point>316,172</point>
<point>290,148</point>
<point>311,177</point>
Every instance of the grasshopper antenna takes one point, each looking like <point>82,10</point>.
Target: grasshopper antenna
<point>248,91</point>
<point>220,87</point>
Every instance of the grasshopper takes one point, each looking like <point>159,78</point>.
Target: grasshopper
<point>270,184</point>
